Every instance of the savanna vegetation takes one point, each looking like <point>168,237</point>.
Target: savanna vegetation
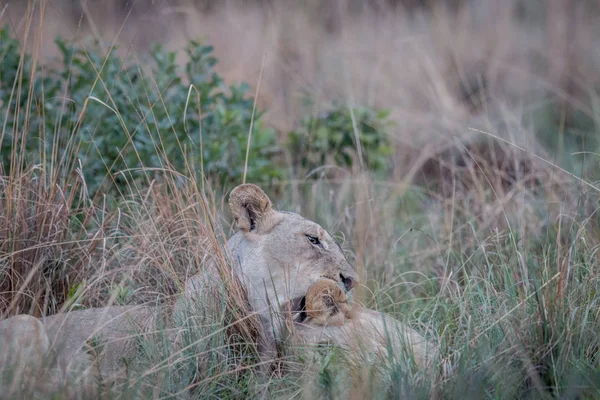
<point>451,147</point>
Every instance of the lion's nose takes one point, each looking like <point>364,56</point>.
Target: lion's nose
<point>348,281</point>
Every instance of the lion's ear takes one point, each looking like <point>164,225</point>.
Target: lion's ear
<point>251,208</point>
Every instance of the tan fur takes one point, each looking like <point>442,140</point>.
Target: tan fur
<point>250,204</point>
<point>74,348</point>
<point>327,304</point>
<point>275,260</point>
<point>368,333</point>
<point>331,319</point>
<point>23,342</point>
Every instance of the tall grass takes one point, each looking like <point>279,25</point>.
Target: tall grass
<point>484,242</point>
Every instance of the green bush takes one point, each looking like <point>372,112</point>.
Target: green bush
<point>126,119</point>
<point>117,115</point>
<point>330,138</point>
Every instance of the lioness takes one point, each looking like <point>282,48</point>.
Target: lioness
<point>277,256</point>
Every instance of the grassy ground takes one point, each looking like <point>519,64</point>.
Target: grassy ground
<point>483,234</point>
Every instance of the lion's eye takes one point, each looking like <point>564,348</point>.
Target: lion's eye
<point>314,240</point>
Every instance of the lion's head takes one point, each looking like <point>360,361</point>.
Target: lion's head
<point>278,255</point>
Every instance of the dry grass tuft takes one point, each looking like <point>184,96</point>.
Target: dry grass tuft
<point>44,245</point>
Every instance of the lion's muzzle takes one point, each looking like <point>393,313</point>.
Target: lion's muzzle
<point>348,281</point>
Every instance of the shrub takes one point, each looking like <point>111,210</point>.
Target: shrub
<point>119,117</point>
<point>330,138</point>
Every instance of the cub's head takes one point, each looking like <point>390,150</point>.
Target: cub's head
<point>280,254</point>
<point>326,304</point>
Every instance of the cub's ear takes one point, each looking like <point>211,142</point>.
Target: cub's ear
<point>251,208</point>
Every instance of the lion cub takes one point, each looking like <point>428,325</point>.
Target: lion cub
<point>326,304</point>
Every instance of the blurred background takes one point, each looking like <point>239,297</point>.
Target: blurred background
<point>484,111</point>
<point>478,111</point>
<point>430,62</point>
